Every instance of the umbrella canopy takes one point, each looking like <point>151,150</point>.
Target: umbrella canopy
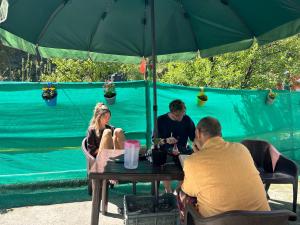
<point>124,30</point>
<point>115,29</point>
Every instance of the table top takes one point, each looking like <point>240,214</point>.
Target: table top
<point>109,164</point>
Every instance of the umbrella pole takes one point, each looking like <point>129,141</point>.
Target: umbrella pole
<point>148,111</point>
<point>153,39</point>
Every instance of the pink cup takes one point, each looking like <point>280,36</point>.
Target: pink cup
<point>131,154</point>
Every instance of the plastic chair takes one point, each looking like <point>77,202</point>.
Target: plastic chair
<point>285,172</point>
<point>238,217</point>
<point>90,160</point>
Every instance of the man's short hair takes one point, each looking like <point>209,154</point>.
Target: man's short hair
<point>176,105</point>
<point>210,126</point>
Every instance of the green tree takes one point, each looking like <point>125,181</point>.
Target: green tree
<point>255,68</point>
<point>259,67</point>
<point>192,73</point>
<point>69,70</point>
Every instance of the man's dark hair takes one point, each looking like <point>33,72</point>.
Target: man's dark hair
<point>210,126</point>
<point>176,105</point>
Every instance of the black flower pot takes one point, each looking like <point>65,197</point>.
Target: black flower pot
<point>159,157</point>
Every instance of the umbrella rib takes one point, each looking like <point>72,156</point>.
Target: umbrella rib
<point>186,16</point>
<point>102,16</point>
<point>242,20</point>
<point>144,22</point>
<point>59,8</point>
<point>94,33</point>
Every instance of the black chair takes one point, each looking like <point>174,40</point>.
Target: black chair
<point>285,172</point>
<point>90,160</point>
<point>238,217</point>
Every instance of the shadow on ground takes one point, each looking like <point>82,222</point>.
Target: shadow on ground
<point>43,197</point>
<point>51,195</point>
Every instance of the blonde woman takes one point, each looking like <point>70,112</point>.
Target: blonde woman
<point>100,134</point>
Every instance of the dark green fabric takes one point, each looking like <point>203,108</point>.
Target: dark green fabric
<point>120,30</point>
<point>39,143</point>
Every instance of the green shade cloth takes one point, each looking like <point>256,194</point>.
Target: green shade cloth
<point>120,30</point>
<point>39,143</point>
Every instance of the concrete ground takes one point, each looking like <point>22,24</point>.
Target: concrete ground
<point>78,212</point>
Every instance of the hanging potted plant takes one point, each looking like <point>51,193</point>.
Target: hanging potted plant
<point>49,94</point>
<point>159,156</point>
<point>270,97</point>
<point>110,92</point>
<point>201,97</point>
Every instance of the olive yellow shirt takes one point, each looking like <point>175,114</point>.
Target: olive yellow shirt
<point>223,177</point>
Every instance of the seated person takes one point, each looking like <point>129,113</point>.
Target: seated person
<point>100,134</point>
<point>220,175</point>
<point>175,127</point>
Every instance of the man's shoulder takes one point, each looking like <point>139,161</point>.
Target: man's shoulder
<point>240,150</point>
<point>193,158</point>
<point>237,145</point>
<point>163,117</point>
<point>187,119</point>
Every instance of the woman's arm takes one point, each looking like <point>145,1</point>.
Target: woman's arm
<point>91,142</point>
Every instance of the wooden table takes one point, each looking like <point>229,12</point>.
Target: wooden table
<point>109,165</point>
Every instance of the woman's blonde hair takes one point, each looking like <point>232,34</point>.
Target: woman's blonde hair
<point>99,111</point>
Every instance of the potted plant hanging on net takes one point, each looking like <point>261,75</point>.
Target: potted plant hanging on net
<point>201,97</point>
<point>49,94</point>
<point>110,92</point>
<point>270,97</point>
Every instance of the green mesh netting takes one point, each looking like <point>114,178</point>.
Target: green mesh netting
<point>39,143</point>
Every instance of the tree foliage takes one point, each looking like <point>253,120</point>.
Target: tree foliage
<point>256,68</point>
<point>259,67</point>
<point>69,70</point>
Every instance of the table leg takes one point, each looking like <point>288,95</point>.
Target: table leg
<point>134,187</point>
<point>156,190</point>
<point>95,201</point>
<point>152,187</point>
<point>104,197</point>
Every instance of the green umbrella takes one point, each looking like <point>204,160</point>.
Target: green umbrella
<point>126,30</point>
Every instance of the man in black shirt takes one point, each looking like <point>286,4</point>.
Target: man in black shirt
<point>174,128</point>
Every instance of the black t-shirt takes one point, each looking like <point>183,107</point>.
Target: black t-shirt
<point>181,130</point>
<point>93,141</point>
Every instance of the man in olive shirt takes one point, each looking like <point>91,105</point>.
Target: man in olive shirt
<point>221,175</point>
